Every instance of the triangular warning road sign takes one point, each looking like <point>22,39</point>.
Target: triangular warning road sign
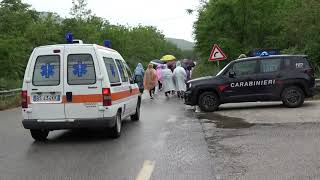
<point>217,54</point>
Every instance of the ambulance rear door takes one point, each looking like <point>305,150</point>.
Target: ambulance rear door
<point>83,83</point>
<point>45,89</point>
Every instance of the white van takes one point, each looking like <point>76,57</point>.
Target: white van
<point>77,86</point>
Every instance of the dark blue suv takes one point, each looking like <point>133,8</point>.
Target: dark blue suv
<point>286,78</point>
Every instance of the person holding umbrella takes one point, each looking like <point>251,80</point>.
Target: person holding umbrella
<point>170,61</point>
<point>150,80</point>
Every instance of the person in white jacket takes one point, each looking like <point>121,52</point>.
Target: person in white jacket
<point>180,77</point>
<point>167,80</point>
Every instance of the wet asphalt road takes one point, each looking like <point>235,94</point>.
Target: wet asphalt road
<point>168,135</point>
<point>264,141</point>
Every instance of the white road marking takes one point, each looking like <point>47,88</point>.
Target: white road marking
<point>146,170</point>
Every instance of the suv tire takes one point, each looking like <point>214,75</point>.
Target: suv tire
<point>208,102</point>
<point>292,97</point>
<point>39,134</point>
<point>115,131</point>
<point>136,116</point>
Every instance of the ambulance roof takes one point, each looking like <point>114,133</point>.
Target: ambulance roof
<point>79,45</point>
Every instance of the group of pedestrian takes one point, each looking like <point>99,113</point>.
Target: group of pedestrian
<point>168,81</point>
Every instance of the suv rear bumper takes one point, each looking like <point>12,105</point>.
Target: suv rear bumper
<point>311,92</point>
<point>77,123</point>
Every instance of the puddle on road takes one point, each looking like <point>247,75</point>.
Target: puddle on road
<point>224,122</point>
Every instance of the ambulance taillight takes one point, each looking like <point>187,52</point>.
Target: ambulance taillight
<point>24,99</point>
<point>106,93</point>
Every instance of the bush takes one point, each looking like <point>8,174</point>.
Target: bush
<point>10,102</point>
<point>6,84</point>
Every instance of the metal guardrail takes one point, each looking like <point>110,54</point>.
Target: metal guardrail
<point>9,93</point>
<point>13,92</point>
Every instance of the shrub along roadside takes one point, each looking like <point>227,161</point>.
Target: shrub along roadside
<point>10,102</point>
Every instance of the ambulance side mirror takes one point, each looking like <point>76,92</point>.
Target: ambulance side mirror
<point>232,74</point>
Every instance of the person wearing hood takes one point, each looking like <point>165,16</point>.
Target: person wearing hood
<point>180,77</point>
<point>159,76</point>
<point>150,80</point>
<point>167,80</point>
<point>138,75</point>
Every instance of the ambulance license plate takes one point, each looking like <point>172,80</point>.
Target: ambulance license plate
<point>45,98</point>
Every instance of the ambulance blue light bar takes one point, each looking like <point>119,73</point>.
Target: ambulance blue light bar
<point>107,43</point>
<point>69,38</point>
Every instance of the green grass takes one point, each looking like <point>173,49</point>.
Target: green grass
<point>10,102</point>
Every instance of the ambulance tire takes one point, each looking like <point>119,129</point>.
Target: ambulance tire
<point>136,116</point>
<point>208,102</point>
<point>39,134</point>
<point>292,97</point>
<point>115,131</point>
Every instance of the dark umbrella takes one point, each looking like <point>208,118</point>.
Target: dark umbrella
<point>188,63</point>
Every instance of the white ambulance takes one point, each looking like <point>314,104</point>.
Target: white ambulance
<point>77,86</point>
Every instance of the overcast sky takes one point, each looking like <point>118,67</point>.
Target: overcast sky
<point>169,16</point>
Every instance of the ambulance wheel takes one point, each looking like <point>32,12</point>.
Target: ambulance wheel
<point>115,131</point>
<point>136,116</point>
<point>39,134</point>
<point>208,102</point>
<point>292,97</point>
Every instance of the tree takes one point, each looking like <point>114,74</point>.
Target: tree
<point>241,25</point>
<point>79,9</point>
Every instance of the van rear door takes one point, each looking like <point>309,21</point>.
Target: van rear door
<point>83,87</point>
<point>46,87</point>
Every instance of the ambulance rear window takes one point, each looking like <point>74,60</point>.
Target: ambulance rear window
<point>81,69</point>
<point>112,70</point>
<point>46,71</point>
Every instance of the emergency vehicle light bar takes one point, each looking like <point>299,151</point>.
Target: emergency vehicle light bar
<point>264,53</point>
<point>69,37</point>
<point>107,43</point>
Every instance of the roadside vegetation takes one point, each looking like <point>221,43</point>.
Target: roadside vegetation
<point>10,102</point>
<point>22,29</point>
<point>239,26</point>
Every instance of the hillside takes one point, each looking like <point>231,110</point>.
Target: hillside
<point>181,43</point>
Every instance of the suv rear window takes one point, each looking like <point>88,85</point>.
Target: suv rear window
<point>81,69</point>
<point>112,70</point>
<point>296,63</point>
<point>46,71</point>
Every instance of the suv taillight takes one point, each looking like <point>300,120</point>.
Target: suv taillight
<point>24,99</point>
<point>310,72</point>
<point>106,93</point>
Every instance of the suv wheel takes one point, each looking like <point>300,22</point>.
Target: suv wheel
<point>116,129</point>
<point>292,97</point>
<point>208,102</point>
<point>39,134</point>
<point>136,116</point>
